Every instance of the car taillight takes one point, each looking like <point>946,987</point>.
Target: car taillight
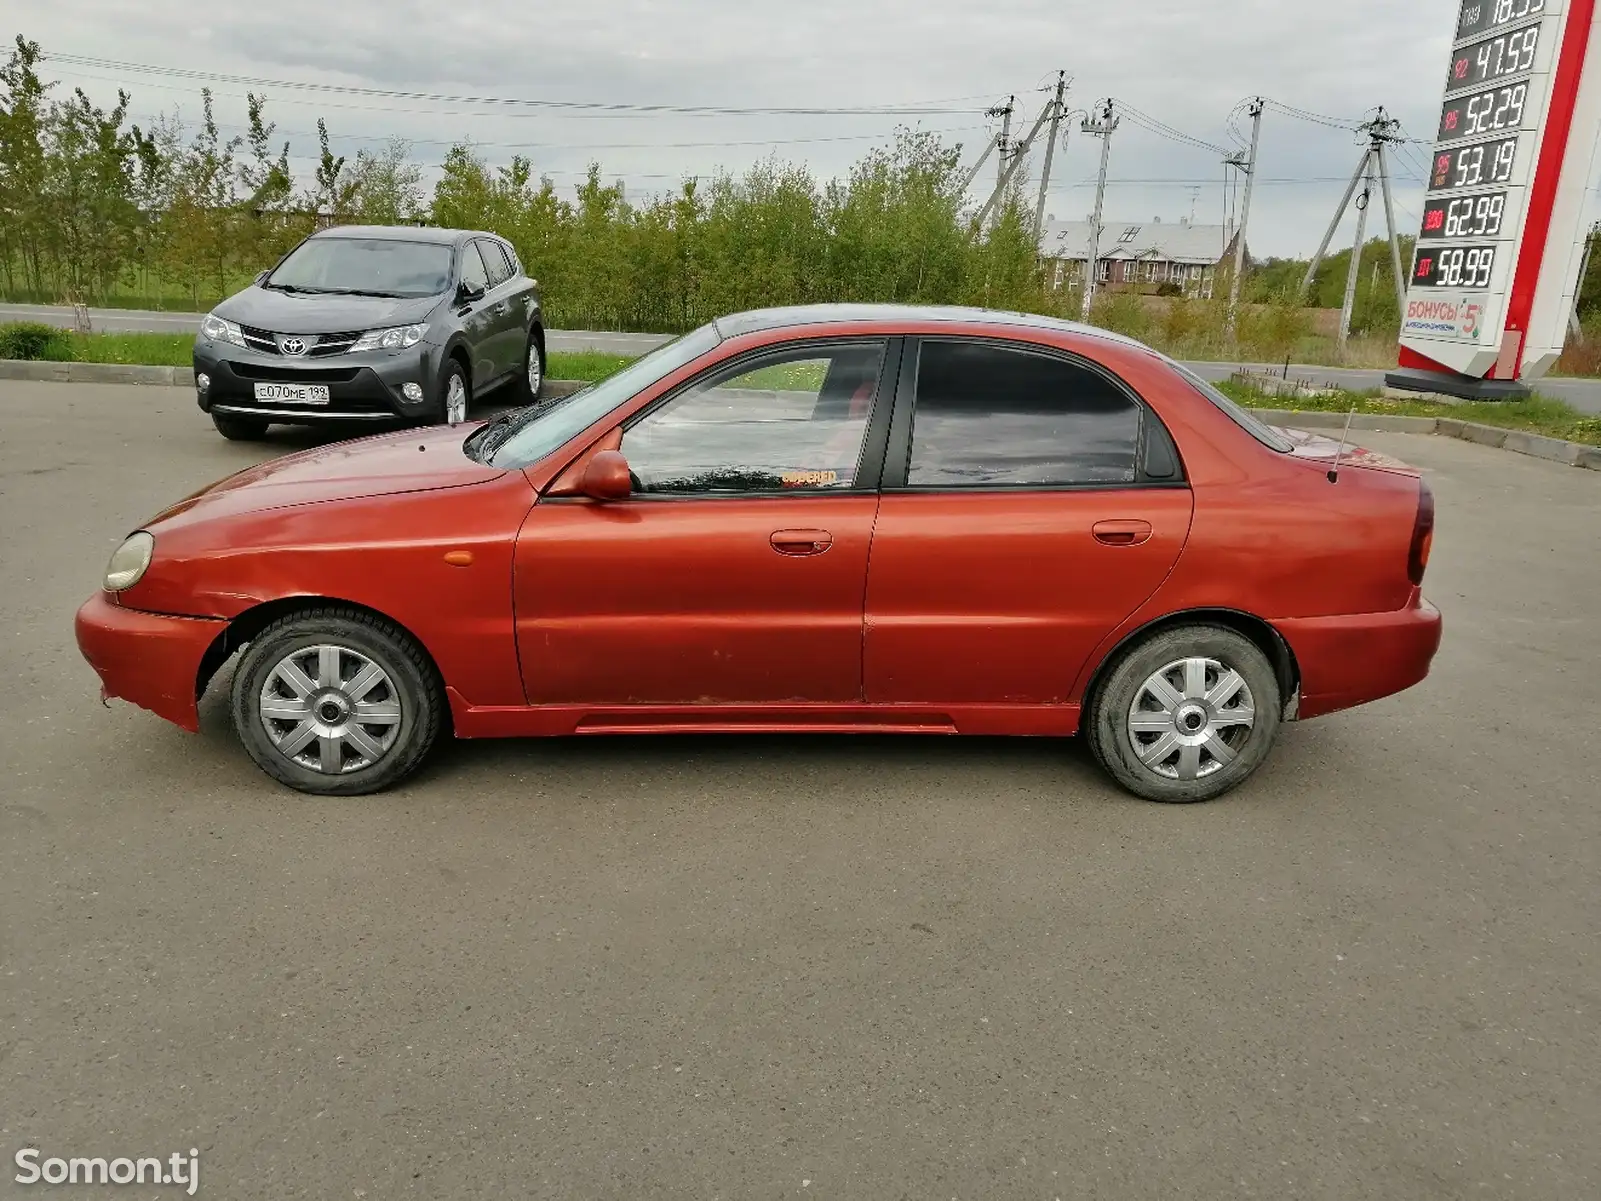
<point>1417,560</point>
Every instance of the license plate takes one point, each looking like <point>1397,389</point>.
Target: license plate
<point>293,394</point>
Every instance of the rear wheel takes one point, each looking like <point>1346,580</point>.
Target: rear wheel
<point>239,429</point>
<point>1185,715</point>
<point>336,702</point>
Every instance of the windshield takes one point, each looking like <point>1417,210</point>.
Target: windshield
<point>1242,417</point>
<point>366,266</point>
<point>530,434</point>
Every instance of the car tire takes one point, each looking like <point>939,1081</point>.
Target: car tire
<point>375,670</point>
<point>239,429</point>
<point>452,374</point>
<point>532,381</point>
<point>1202,734</point>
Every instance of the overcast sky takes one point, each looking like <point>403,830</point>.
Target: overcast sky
<point>1186,63</point>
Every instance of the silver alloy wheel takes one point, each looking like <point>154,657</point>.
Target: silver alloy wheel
<point>456,400</point>
<point>1191,718</point>
<point>330,709</point>
<point>536,373</point>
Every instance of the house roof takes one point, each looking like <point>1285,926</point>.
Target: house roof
<point>1171,241</point>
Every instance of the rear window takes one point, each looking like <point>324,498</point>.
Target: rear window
<point>1248,421</point>
<point>989,416</point>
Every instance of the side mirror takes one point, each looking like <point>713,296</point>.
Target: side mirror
<point>467,293</point>
<point>607,477</point>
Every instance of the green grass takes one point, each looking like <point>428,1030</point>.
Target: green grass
<point>1538,414</point>
<point>585,365</point>
<point>173,350</point>
<point>157,350</point>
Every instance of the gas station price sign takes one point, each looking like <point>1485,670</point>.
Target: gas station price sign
<point>1471,166</point>
<point>1498,90</point>
<point>1480,16</point>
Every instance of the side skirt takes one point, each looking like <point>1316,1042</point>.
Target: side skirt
<point>547,721</point>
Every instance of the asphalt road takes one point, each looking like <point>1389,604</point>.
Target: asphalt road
<point>1582,394</point>
<point>808,967</point>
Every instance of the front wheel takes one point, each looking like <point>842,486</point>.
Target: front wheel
<point>1186,715</point>
<point>533,377</point>
<point>239,429</point>
<point>455,392</point>
<point>336,702</point>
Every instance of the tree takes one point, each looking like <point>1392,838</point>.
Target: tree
<point>387,186</point>
<point>198,233</point>
<point>334,192</point>
<point>22,164</point>
<point>88,187</point>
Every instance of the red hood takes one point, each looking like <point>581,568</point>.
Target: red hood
<point>415,460</point>
<point>1322,448</point>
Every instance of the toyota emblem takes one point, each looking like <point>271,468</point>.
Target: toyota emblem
<point>292,346</point>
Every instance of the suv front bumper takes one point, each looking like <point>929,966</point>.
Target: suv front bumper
<point>361,387</point>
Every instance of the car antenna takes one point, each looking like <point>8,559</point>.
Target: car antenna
<point>1334,472</point>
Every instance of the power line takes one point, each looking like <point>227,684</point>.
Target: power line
<point>411,141</point>
<point>510,102</point>
<point>1150,124</point>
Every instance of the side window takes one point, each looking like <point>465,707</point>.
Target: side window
<point>494,263</point>
<point>792,422</point>
<point>513,267</point>
<point>991,417</point>
<point>472,268</point>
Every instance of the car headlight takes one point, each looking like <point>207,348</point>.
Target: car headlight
<point>128,564</point>
<point>215,329</point>
<point>398,338</point>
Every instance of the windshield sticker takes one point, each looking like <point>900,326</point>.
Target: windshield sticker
<point>809,479</point>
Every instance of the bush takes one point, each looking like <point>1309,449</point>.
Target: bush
<point>29,340</point>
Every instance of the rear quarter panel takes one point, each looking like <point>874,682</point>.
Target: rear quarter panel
<point>1270,536</point>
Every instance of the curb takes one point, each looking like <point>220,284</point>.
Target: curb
<point>97,373</point>
<point>1555,450</point>
<point>163,377</point>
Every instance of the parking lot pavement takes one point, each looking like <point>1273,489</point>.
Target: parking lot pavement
<point>813,967</point>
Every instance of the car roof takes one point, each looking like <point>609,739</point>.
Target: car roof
<point>404,233</point>
<point>892,316</point>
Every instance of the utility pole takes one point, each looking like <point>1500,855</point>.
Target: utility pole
<point>1050,150</point>
<point>979,166</point>
<point>1257,107</point>
<point>1356,254</point>
<point>1102,128</point>
<point>1575,330</point>
<point>1003,141</point>
<point>1018,159</point>
<point>1381,131</point>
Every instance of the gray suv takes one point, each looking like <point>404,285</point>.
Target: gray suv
<point>372,323</point>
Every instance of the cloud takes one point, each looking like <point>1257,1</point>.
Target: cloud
<point>1184,63</point>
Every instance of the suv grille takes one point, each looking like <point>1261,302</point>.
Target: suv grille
<point>266,342</point>
<point>328,344</point>
<point>259,339</point>
<point>296,375</point>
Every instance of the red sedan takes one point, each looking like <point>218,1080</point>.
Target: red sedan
<point>840,519</point>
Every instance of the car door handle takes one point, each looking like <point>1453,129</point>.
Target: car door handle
<point>1122,533</point>
<point>799,543</point>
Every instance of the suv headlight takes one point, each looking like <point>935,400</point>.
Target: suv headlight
<point>398,338</point>
<point>128,564</point>
<point>215,329</point>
